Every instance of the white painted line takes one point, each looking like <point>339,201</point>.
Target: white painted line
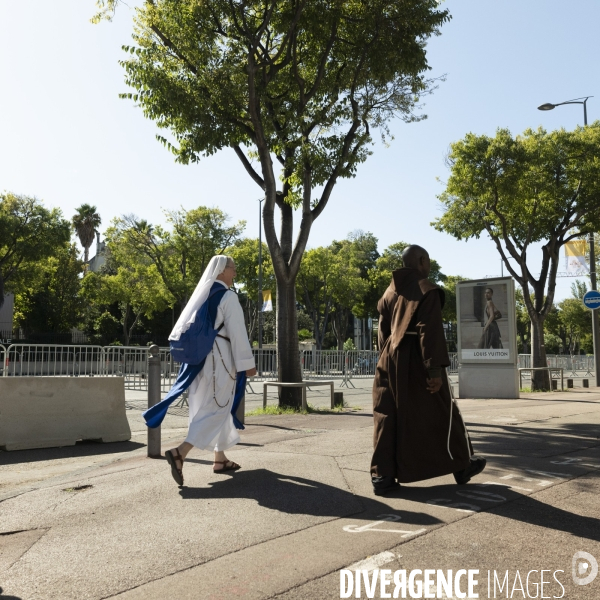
<point>373,562</point>
<point>506,485</point>
<point>549,474</point>
<point>384,519</point>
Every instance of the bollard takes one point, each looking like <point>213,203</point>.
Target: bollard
<point>554,385</point>
<point>153,398</point>
<point>586,383</point>
<point>338,399</point>
<point>569,383</point>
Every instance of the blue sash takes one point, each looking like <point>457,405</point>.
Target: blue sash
<point>187,373</point>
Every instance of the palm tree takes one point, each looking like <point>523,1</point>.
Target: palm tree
<point>86,223</point>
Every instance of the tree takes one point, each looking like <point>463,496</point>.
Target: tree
<point>303,83</point>
<point>537,188</point>
<point>570,321</point>
<point>316,288</point>
<point>523,323</point>
<point>50,299</point>
<point>129,280</point>
<point>86,223</point>
<point>356,258</point>
<point>245,254</point>
<point>28,233</point>
<point>180,254</point>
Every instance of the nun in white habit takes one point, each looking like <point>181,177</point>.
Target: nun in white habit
<point>211,393</point>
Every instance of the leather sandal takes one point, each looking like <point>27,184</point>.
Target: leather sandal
<point>172,456</point>
<point>228,465</point>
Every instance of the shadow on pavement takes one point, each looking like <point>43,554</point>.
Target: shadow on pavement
<point>514,506</point>
<point>541,442</point>
<point>297,495</point>
<point>85,448</point>
<point>3,597</point>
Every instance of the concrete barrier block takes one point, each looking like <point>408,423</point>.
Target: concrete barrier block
<point>46,412</point>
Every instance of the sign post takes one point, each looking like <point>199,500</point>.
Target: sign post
<point>591,300</point>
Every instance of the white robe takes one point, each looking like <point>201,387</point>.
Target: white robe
<point>211,426</point>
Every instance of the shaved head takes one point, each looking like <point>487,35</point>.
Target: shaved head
<point>413,255</point>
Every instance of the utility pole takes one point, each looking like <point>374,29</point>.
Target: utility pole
<point>595,330</point>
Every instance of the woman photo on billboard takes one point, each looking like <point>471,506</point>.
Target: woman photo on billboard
<point>490,338</point>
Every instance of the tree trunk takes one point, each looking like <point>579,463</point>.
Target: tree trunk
<point>288,358</point>
<point>540,380</point>
<point>125,328</point>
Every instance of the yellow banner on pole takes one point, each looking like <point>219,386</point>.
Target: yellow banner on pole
<point>267,301</point>
<point>575,262</point>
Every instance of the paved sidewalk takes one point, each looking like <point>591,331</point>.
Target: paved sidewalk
<point>103,521</point>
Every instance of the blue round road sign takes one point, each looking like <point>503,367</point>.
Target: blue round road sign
<point>591,300</point>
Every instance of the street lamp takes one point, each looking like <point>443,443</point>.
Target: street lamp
<point>549,106</point>
<point>595,331</point>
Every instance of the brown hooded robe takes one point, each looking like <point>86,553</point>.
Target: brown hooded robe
<point>413,435</point>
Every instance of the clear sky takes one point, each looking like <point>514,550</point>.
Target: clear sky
<point>66,137</point>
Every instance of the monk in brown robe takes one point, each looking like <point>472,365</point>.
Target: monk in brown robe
<point>419,432</point>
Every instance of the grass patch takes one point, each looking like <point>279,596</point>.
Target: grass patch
<point>275,410</point>
<point>526,390</point>
<point>288,410</point>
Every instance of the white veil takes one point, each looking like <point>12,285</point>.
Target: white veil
<point>215,267</point>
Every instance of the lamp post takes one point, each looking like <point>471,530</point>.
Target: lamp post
<point>595,330</point>
<point>260,294</point>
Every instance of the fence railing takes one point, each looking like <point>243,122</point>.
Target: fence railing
<point>3,363</point>
<point>53,360</point>
<point>131,363</point>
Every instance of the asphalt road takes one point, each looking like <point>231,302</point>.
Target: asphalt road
<point>103,521</point>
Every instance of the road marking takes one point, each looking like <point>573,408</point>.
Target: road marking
<point>459,506</point>
<point>384,519</point>
<point>506,485</point>
<point>482,496</point>
<point>575,461</point>
<point>542,482</point>
<point>373,562</point>
<point>549,474</point>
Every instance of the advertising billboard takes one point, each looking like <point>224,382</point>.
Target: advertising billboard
<point>486,321</point>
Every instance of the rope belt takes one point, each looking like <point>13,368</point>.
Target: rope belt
<point>452,404</point>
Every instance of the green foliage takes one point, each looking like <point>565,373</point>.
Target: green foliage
<point>245,254</point>
<point>571,322</point>
<point>537,188</point>
<point>179,255</point>
<point>86,222</point>
<point>29,233</point>
<point>304,334</point>
<point>330,281</point>
<point>304,83</point>
<point>50,301</point>
<point>449,287</point>
<point>307,80</point>
<point>349,345</point>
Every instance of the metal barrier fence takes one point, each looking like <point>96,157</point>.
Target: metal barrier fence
<point>53,360</point>
<point>3,363</point>
<point>131,363</point>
